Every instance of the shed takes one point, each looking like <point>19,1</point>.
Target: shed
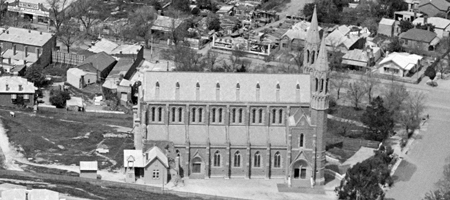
<point>79,78</point>
<point>387,27</point>
<point>88,169</point>
<point>75,104</point>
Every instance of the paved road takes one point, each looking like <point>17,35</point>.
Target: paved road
<point>423,166</point>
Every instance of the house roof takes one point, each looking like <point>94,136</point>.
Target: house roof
<point>110,84</point>
<point>25,36</point>
<point>405,61</point>
<point>227,83</point>
<point>122,66</point>
<point>356,57</point>
<point>439,4</point>
<point>385,21</point>
<point>103,45</point>
<point>100,60</point>
<point>156,153</point>
<point>337,38</point>
<point>126,49</point>
<point>299,30</point>
<point>225,9</point>
<point>438,22</point>
<point>164,23</point>
<point>89,165</point>
<point>76,72</point>
<point>134,156</point>
<point>418,35</point>
<point>13,83</point>
<point>75,101</point>
<point>88,67</point>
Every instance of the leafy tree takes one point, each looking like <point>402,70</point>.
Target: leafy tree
<point>327,11</point>
<point>428,27</point>
<point>378,119</point>
<point>355,93</point>
<point>395,45</point>
<point>69,34</point>
<point>205,4</point>
<point>405,25</point>
<point>182,5</point>
<point>430,72</point>
<point>141,22</point>
<point>364,180</point>
<point>395,96</point>
<point>371,23</point>
<point>35,75</point>
<point>155,3</point>
<point>213,22</point>
<point>58,98</point>
<point>386,8</point>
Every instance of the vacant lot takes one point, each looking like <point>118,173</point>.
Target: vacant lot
<point>50,137</point>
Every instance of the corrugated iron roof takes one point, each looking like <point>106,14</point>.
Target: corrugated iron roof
<point>89,165</point>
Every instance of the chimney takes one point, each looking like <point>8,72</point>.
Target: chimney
<point>425,20</point>
<point>14,49</point>
<point>40,32</point>
<point>38,52</point>
<point>24,62</point>
<point>9,60</point>
<point>26,51</point>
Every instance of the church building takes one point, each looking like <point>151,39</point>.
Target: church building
<point>239,125</point>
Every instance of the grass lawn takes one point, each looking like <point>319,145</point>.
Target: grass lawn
<point>47,138</point>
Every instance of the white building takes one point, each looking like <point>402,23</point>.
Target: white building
<point>442,26</point>
<point>79,78</point>
<point>400,64</point>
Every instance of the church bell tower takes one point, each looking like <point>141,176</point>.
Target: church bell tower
<point>319,105</point>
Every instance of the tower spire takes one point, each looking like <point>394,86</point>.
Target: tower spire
<point>322,59</point>
<point>312,35</point>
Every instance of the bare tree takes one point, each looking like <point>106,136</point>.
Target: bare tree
<point>412,110</point>
<point>355,93</point>
<point>298,59</point>
<point>185,58</point>
<point>141,22</point>
<point>89,12</point>
<point>69,34</point>
<point>442,66</point>
<point>58,13</point>
<point>395,96</point>
<point>339,81</point>
<point>370,83</point>
<point>210,59</point>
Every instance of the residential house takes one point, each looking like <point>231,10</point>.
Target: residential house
<point>114,49</point>
<point>441,25</point>
<point>153,165</point>
<point>226,10</point>
<point>412,5</point>
<point>400,64</point>
<point>418,39</point>
<point>294,38</point>
<point>432,8</point>
<point>16,91</point>
<point>80,78</point>
<point>265,17</point>
<point>163,27</point>
<point>360,59</point>
<point>345,38</point>
<point>388,27</point>
<point>26,46</point>
<point>101,62</point>
<point>88,169</point>
<point>407,15</point>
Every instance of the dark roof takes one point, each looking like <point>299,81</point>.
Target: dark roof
<point>88,67</point>
<point>418,35</point>
<point>100,60</point>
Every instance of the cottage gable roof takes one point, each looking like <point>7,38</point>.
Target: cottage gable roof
<point>100,60</point>
<point>164,23</point>
<point>208,91</point>
<point>112,48</point>
<point>13,83</point>
<point>156,153</point>
<point>439,4</point>
<point>385,21</point>
<point>404,61</point>
<point>357,55</point>
<point>438,22</point>
<point>418,35</point>
<point>25,36</point>
<point>89,165</point>
<point>135,156</point>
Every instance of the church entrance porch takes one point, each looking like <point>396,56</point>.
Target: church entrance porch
<point>300,174</point>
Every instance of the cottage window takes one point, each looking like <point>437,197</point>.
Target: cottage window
<point>155,174</point>
<point>277,160</point>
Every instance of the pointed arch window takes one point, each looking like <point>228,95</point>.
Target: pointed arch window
<point>216,162</point>
<point>257,159</point>
<point>240,115</point>
<point>153,110</point>
<point>326,85</point>
<point>200,115</point>
<point>277,160</point>
<point>220,115</point>
<point>173,114</point>
<point>260,116</point>
<point>180,114</point>
<point>280,116</point>
<point>213,115</point>
<point>160,113</point>
<point>316,84</point>
<point>307,56</point>
<point>193,113</point>
<point>237,159</point>
<point>274,113</point>
<point>313,57</point>
<point>301,140</point>
<point>233,115</point>
<point>322,85</point>
<point>254,116</point>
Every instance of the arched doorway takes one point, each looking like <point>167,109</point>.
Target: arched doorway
<point>299,169</point>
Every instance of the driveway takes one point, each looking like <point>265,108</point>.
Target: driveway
<point>423,166</point>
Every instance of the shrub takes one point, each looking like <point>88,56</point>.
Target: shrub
<point>58,98</point>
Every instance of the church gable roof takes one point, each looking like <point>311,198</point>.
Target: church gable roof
<point>223,87</point>
<point>156,153</point>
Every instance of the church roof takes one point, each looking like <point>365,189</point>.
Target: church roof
<point>226,85</point>
<point>312,35</point>
<point>322,59</point>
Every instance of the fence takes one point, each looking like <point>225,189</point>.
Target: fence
<point>67,58</point>
<point>103,183</point>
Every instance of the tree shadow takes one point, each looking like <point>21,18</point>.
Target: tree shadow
<point>404,171</point>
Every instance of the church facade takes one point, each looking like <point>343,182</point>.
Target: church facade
<point>240,125</point>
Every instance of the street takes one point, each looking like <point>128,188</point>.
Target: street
<point>423,165</point>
